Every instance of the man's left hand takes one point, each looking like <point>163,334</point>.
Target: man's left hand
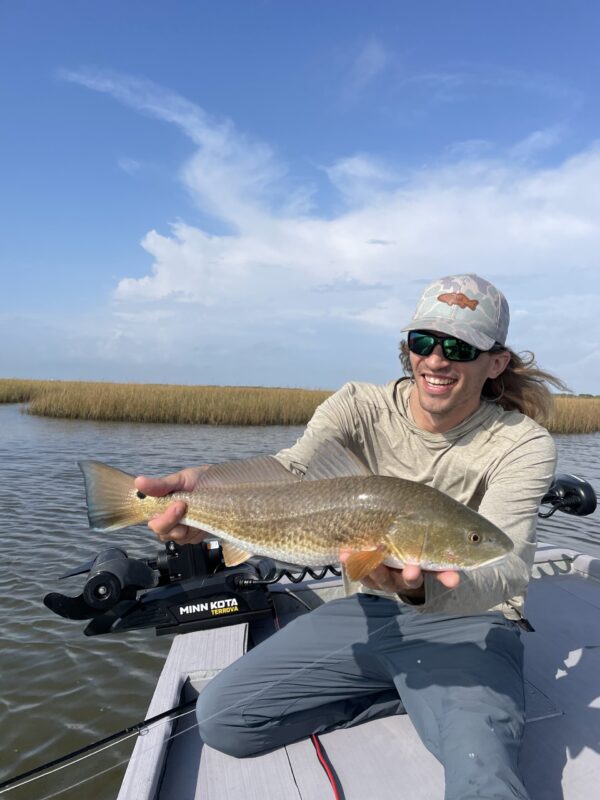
<point>407,581</point>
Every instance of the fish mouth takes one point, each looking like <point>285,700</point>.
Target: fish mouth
<point>494,560</point>
<point>437,566</point>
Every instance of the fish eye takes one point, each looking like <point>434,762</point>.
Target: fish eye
<point>474,537</point>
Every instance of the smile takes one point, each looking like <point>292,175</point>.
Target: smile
<point>438,381</point>
<point>437,384</point>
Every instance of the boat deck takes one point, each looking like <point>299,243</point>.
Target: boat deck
<point>560,758</point>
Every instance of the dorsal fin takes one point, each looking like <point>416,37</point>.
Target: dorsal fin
<point>332,460</point>
<point>261,469</point>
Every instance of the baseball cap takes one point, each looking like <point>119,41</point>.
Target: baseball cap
<point>465,306</point>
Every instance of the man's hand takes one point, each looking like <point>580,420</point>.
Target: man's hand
<point>167,525</point>
<point>407,582</point>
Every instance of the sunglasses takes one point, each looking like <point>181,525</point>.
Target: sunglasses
<point>422,343</point>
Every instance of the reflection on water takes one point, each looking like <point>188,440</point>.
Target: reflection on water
<point>60,690</point>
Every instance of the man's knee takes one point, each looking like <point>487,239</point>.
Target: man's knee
<point>223,727</point>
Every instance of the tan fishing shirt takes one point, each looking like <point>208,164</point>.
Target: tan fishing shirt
<point>499,463</point>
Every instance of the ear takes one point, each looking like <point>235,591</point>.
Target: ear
<point>498,363</point>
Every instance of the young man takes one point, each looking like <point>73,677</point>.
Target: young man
<point>443,646</point>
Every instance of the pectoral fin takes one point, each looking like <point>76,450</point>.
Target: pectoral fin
<point>234,555</point>
<point>361,563</point>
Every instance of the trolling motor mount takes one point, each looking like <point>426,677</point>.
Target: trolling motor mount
<point>187,587</point>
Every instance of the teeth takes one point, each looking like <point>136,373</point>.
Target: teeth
<point>439,381</point>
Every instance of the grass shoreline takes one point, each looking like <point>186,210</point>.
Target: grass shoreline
<point>217,405</point>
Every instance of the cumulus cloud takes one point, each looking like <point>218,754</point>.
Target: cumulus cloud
<point>535,231</point>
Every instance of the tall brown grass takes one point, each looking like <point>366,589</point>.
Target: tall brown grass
<point>217,405</point>
<point>575,415</point>
<point>131,402</point>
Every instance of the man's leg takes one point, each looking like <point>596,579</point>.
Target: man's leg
<point>461,682</point>
<point>319,672</point>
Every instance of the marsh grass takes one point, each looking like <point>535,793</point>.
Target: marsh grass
<point>217,405</point>
<point>131,402</point>
<point>575,415</point>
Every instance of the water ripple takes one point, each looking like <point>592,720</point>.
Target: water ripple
<point>58,689</point>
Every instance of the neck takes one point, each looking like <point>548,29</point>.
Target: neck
<point>440,421</point>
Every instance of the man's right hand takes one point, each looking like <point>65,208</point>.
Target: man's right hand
<point>167,525</point>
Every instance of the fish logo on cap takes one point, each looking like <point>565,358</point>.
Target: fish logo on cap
<point>458,299</point>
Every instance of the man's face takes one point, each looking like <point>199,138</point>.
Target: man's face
<point>450,391</point>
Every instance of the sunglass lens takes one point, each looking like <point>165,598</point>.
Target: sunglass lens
<point>420,343</point>
<point>457,350</point>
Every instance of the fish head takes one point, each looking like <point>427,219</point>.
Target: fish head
<point>462,541</point>
<point>475,543</point>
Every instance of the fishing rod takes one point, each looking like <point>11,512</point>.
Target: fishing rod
<point>97,745</point>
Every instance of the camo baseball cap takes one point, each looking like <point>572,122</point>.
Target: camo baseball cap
<point>465,306</point>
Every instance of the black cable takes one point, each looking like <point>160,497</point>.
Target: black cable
<point>296,598</point>
<point>294,577</point>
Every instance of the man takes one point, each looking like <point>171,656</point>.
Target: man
<point>446,644</point>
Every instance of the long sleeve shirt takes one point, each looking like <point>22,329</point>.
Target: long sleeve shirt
<point>499,463</point>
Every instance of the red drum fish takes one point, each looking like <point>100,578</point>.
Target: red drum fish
<point>258,507</point>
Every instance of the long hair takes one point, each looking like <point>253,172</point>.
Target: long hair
<point>523,386</point>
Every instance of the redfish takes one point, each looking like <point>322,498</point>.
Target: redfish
<point>257,507</point>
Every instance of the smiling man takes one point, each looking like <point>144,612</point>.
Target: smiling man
<point>470,330</point>
<point>444,646</point>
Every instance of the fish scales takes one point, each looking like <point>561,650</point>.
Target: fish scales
<point>309,521</point>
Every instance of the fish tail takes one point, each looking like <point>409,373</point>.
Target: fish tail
<point>112,501</point>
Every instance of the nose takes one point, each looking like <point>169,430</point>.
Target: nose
<point>436,357</point>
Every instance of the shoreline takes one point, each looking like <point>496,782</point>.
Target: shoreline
<point>217,405</point>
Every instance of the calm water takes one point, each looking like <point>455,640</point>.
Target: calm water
<point>60,690</point>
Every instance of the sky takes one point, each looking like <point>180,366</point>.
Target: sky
<point>256,192</point>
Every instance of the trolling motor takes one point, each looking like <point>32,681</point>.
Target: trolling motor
<point>185,588</point>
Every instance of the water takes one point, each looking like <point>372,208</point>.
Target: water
<point>60,690</point>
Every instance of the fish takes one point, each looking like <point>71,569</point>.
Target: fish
<point>258,507</point>
<point>458,299</point>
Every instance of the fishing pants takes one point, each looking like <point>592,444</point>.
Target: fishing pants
<point>350,660</point>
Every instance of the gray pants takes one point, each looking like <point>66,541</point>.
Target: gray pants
<point>350,660</point>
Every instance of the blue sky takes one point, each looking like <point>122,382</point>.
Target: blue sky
<point>242,192</point>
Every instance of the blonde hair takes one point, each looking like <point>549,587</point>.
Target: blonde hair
<point>523,386</point>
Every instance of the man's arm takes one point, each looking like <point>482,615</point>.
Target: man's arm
<point>511,501</point>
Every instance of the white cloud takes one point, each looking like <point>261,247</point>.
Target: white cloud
<point>129,165</point>
<point>537,142</point>
<point>372,59</point>
<point>536,232</point>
